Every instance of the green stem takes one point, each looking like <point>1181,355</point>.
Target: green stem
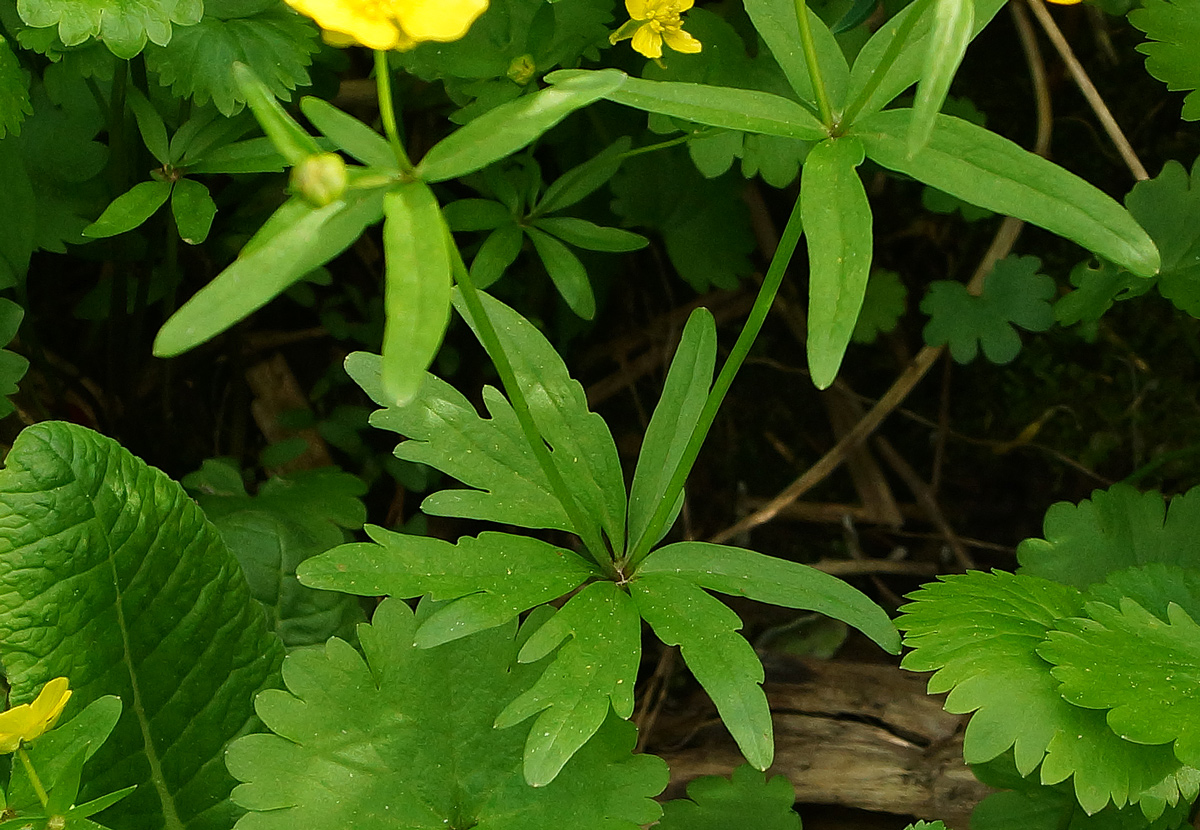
<point>754,323</point>
<point>669,143</point>
<point>387,110</point>
<point>33,776</point>
<point>587,531</point>
<point>904,29</point>
<point>814,66</point>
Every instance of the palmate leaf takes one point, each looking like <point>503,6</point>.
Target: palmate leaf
<point>1168,207</point>
<point>980,167</point>
<point>745,799</point>
<point>581,445</point>
<point>124,26</point>
<point>1115,529</point>
<point>404,738</point>
<point>491,578</point>
<point>14,92</point>
<point>12,365</point>
<point>288,521</point>
<point>883,305</point>
<point>491,455</point>
<point>597,664</point>
<point>276,43</point>
<point>1173,51</point>
<point>111,576</point>
<point>1096,289</point>
<point>1015,294</point>
<point>981,633</point>
<point>705,629</point>
<point>1055,808</point>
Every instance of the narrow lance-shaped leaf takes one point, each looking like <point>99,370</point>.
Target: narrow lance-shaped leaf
<point>566,271</point>
<point>982,168</point>
<point>748,110</point>
<point>597,664</point>
<point>491,578</point>
<point>416,244</point>
<point>671,425</point>
<point>837,224</point>
<point>705,629</point>
<point>295,240</point>
<point>289,138</point>
<point>502,131</point>
<point>581,181</point>
<point>744,573</point>
<point>953,27</point>
<point>349,134</point>
<point>130,209</point>
<point>104,556</point>
<point>150,124</point>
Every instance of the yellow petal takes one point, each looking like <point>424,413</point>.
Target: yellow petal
<point>367,24</point>
<point>1066,2</point>
<point>682,5</point>
<point>28,721</point>
<point>681,41</point>
<point>648,42</point>
<point>441,20</point>
<point>638,9</point>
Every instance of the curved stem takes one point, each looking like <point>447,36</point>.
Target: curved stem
<point>588,531</point>
<point>754,323</point>
<point>387,110</point>
<point>814,65</point>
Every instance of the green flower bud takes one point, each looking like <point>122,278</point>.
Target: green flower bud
<point>320,179</point>
<point>522,69</point>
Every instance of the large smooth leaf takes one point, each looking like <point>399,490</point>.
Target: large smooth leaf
<point>491,454</point>
<point>683,396</point>
<point>837,223</point>
<point>404,739</point>
<point>492,577</point>
<point>982,168</point>
<point>744,573</point>
<point>597,664</point>
<point>416,244</point>
<point>953,27</point>
<point>581,445</point>
<point>297,239</point>
<point>111,576</point>
<point>502,131</point>
<point>748,110</point>
<point>705,629</point>
<point>779,27</point>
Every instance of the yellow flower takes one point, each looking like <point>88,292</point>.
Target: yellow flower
<point>1066,2</point>
<point>391,24</point>
<point>29,720</point>
<point>654,21</point>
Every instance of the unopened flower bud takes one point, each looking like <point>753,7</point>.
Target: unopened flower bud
<point>320,179</point>
<point>522,69</point>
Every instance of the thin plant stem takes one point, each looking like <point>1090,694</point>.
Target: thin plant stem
<point>33,776</point>
<point>903,32</point>
<point>814,65</point>
<point>387,110</point>
<point>587,531</point>
<point>669,143</point>
<point>737,356</point>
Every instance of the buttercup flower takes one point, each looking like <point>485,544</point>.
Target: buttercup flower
<point>391,24</point>
<point>1066,2</point>
<point>29,720</point>
<point>653,22</point>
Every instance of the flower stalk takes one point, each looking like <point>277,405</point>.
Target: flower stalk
<point>814,65</point>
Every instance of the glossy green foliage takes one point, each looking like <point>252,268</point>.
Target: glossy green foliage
<point>1168,207</point>
<point>1015,294</point>
<point>1115,529</point>
<point>124,28</point>
<point>952,30</point>
<point>1172,49</point>
<point>745,799</point>
<point>837,225</point>
<point>14,92</point>
<point>983,634</point>
<point>106,557</point>
<point>404,737</point>
<point>1097,287</point>
<point>288,521</point>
